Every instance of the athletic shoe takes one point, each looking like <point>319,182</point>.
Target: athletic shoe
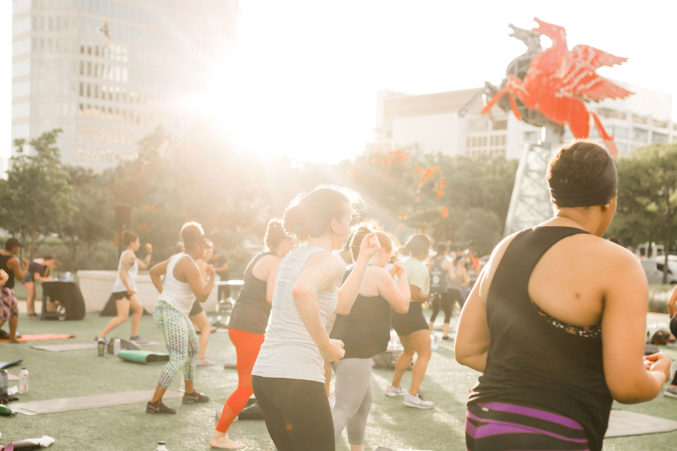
<point>395,391</point>
<point>446,337</point>
<point>194,398</point>
<point>158,407</point>
<point>204,362</point>
<point>671,392</point>
<point>136,338</point>
<point>417,401</point>
<point>98,339</point>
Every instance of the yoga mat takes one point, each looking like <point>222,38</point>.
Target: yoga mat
<point>36,337</point>
<point>75,346</point>
<point>4,365</point>
<point>88,402</point>
<point>141,356</point>
<point>623,422</point>
<point>66,347</point>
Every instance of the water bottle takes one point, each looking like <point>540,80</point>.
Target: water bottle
<point>6,411</point>
<point>23,381</point>
<point>101,347</point>
<point>161,447</point>
<point>4,380</point>
<point>116,346</point>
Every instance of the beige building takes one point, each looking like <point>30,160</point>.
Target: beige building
<point>109,71</point>
<point>451,123</point>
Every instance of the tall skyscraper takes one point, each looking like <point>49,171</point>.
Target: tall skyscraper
<point>108,72</point>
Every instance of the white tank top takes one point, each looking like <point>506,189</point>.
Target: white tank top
<point>177,294</point>
<point>288,350</point>
<point>132,272</point>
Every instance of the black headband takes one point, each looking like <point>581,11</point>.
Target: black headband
<point>598,191</point>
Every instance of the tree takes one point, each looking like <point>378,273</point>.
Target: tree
<point>92,213</point>
<point>647,197</point>
<point>36,198</point>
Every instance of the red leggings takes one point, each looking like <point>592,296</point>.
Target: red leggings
<point>247,345</point>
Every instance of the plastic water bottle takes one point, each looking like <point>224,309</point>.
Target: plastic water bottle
<point>23,381</point>
<point>161,447</point>
<point>101,347</point>
<point>4,380</point>
<point>116,346</point>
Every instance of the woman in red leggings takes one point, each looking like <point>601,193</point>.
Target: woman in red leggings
<point>248,322</point>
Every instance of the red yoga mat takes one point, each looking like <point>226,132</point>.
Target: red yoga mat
<point>36,337</point>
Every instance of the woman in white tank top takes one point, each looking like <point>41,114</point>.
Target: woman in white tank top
<point>124,287</point>
<point>288,376</point>
<point>181,286</point>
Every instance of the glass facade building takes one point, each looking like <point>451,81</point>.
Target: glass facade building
<point>108,72</point>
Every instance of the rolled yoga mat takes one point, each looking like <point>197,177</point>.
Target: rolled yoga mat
<point>4,365</point>
<point>141,356</point>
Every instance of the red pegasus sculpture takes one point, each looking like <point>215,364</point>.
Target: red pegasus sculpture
<point>559,81</point>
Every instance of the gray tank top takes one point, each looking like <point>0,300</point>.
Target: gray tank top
<point>288,350</point>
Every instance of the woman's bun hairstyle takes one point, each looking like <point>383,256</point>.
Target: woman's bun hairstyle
<point>310,214</point>
<point>275,234</point>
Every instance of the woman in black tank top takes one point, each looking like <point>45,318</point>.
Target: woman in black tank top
<point>365,332</point>
<point>247,325</point>
<point>532,324</point>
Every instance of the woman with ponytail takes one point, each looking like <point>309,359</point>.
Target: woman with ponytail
<point>248,323</point>
<point>288,376</point>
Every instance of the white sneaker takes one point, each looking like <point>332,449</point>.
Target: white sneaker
<point>395,391</point>
<point>417,401</point>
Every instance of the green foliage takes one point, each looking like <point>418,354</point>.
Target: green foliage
<point>459,199</point>
<point>35,199</point>
<point>647,196</point>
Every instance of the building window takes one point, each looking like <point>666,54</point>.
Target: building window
<point>659,137</point>
<point>640,134</point>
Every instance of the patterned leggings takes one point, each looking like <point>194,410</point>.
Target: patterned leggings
<point>181,340</point>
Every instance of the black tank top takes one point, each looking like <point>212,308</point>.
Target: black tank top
<point>251,309</point>
<point>439,277</point>
<point>3,265</point>
<point>534,359</point>
<point>365,331</point>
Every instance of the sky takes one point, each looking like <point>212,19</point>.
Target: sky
<point>304,78</point>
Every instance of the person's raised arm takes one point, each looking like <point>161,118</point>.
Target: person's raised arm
<point>191,274</point>
<point>145,263</point>
<point>14,266</point>
<point>156,273</point>
<point>4,277</point>
<point>628,377</point>
<point>671,303</point>
<point>351,287</point>
<point>323,274</point>
<point>396,293</point>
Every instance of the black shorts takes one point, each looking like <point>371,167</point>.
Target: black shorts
<point>197,308</point>
<point>116,296</point>
<point>410,322</point>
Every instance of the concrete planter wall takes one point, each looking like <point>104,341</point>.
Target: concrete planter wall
<point>96,289</point>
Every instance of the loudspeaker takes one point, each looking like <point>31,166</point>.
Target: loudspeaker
<point>122,216</point>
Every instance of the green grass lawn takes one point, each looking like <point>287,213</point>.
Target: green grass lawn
<point>79,373</point>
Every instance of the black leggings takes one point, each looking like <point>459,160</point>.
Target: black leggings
<point>297,413</point>
<point>441,300</point>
